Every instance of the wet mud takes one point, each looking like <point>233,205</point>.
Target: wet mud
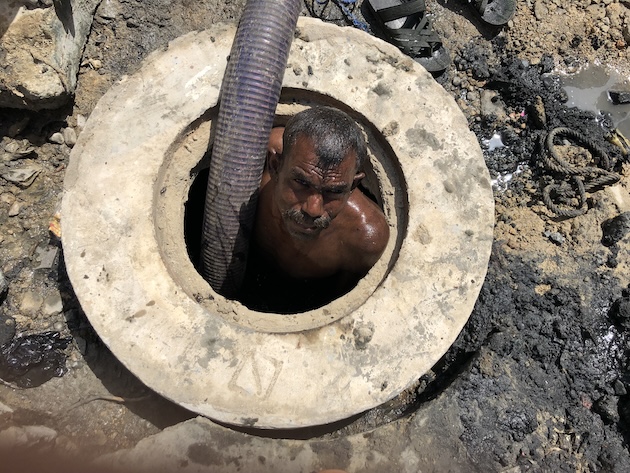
<point>542,364</point>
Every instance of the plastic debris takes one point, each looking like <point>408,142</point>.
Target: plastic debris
<point>54,226</point>
<point>31,360</point>
<point>23,177</point>
<point>13,150</point>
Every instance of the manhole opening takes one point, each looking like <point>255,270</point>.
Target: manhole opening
<point>264,290</point>
<point>179,194</point>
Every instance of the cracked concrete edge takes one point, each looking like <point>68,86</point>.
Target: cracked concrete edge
<point>42,49</point>
<point>426,441</point>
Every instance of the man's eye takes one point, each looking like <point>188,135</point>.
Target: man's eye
<point>301,182</point>
<point>334,193</point>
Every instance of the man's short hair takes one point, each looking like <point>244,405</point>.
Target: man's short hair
<point>333,132</point>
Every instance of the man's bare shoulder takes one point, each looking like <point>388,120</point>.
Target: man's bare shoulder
<point>367,232</point>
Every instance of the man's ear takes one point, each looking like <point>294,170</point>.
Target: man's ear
<point>357,178</point>
<point>274,150</point>
<point>274,160</point>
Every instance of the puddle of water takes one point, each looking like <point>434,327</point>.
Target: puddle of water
<point>588,90</point>
<point>493,142</point>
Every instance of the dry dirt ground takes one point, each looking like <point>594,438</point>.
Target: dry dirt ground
<point>539,377</point>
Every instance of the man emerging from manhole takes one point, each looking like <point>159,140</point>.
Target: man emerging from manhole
<point>316,232</point>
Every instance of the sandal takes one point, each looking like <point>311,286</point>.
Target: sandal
<point>495,12</point>
<point>406,25</point>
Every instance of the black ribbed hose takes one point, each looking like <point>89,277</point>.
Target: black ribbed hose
<point>250,93</point>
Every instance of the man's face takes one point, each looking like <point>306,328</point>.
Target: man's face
<point>309,197</point>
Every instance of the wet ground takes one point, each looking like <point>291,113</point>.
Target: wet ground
<point>540,376</point>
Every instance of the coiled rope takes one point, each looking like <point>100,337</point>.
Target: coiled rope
<point>575,181</point>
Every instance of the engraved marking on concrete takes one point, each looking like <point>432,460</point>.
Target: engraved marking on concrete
<point>256,374</point>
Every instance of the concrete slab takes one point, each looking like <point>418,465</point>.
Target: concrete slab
<point>426,441</point>
<point>41,51</point>
<point>122,223</point>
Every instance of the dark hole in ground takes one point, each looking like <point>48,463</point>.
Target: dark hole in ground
<point>264,289</point>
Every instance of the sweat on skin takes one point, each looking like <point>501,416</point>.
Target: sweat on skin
<point>313,222</point>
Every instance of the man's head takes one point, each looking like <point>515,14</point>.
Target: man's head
<point>318,169</point>
<point>333,132</point>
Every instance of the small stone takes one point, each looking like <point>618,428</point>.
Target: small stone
<point>540,10</point>
<point>492,105</point>
<point>538,112</point>
<point>615,229</point>
<point>27,436</point>
<point>108,9</point>
<point>619,97</point>
<point>363,333</point>
<point>620,388</point>
<point>7,198</point>
<point>40,433</point>
<point>619,313</point>
<point>46,257</point>
<point>13,437</point>
<point>4,409</point>
<point>69,136</point>
<point>391,129</point>
<point>53,304</point>
<point>31,302</point>
<point>95,64</point>
<point>608,409</point>
<point>472,96</point>
<point>56,138</point>
<point>15,208</point>
<point>7,328</point>
<point>555,237</point>
<point>596,11</point>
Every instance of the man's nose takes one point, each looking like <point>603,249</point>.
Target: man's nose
<point>314,205</point>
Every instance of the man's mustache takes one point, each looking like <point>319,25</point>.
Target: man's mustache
<point>300,218</point>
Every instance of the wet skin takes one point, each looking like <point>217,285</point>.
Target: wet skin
<point>313,222</point>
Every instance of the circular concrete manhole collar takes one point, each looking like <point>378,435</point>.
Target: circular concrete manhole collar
<point>122,223</point>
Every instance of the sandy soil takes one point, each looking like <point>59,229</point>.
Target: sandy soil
<point>538,378</point>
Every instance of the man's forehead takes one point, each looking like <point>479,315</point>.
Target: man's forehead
<point>307,157</point>
<point>332,175</point>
